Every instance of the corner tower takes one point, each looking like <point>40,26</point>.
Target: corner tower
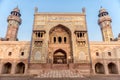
<point>104,22</point>
<point>14,22</point>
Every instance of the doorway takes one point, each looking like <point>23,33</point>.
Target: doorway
<point>59,57</point>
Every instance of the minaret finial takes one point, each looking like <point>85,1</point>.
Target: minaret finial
<point>36,9</point>
<point>83,10</point>
<point>17,6</point>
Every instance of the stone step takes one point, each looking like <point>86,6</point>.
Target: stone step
<point>60,66</point>
<point>77,78</point>
<point>59,74</point>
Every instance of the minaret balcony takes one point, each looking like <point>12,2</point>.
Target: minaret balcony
<point>39,39</point>
<point>16,18</point>
<point>81,39</point>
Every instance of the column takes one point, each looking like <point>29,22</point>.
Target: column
<point>13,68</point>
<point>1,64</point>
<point>106,68</point>
<point>26,68</point>
<point>118,65</point>
<point>93,69</point>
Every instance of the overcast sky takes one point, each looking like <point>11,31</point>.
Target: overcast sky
<point>92,9</point>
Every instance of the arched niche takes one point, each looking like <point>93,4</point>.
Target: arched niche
<point>7,68</point>
<point>20,68</point>
<point>112,68</point>
<point>99,68</point>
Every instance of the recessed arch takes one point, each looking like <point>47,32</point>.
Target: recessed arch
<point>37,55</point>
<point>7,68</point>
<point>99,68</point>
<point>60,36</point>
<point>59,57</point>
<point>20,68</point>
<point>112,68</point>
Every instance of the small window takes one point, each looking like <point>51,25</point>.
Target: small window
<point>109,53</point>
<point>7,39</point>
<point>10,53</point>
<point>22,53</point>
<point>65,40</point>
<point>41,34</point>
<point>80,34</point>
<point>54,39</point>
<point>110,39</point>
<point>97,53</point>
<point>38,34</point>
<point>59,39</point>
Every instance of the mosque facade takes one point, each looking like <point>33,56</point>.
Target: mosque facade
<point>59,42</point>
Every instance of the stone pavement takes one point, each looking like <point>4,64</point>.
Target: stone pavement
<point>60,75</point>
<point>76,78</point>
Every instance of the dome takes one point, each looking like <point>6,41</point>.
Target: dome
<point>102,10</point>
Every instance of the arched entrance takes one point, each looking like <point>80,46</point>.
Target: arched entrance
<point>60,38</point>
<point>20,68</point>
<point>99,68</point>
<point>7,68</point>
<point>59,57</point>
<point>112,68</point>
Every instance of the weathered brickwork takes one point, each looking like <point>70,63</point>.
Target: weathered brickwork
<point>59,47</point>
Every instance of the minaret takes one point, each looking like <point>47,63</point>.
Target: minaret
<point>104,22</point>
<point>14,22</point>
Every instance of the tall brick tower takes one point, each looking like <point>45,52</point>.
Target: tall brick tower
<point>14,22</point>
<point>104,22</point>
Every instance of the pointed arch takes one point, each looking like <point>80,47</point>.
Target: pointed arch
<point>61,26</point>
<point>99,68</point>
<point>60,35</point>
<point>20,68</point>
<point>82,55</point>
<point>60,57</point>
<point>112,68</point>
<point>7,68</point>
<point>37,55</point>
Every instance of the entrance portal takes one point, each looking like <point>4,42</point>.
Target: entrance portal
<point>59,57</point>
